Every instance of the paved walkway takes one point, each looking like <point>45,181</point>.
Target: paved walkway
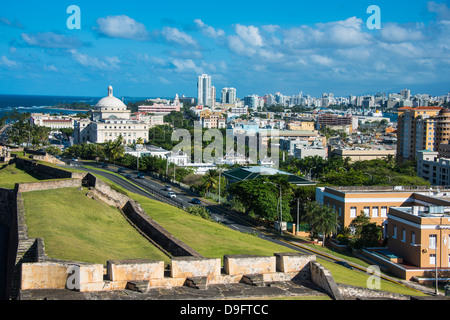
<point>232,291</point>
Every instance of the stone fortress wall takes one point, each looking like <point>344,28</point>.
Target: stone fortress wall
<point>30,268</point>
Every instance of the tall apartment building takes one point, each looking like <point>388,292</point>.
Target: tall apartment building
<point>253,102</point>
<point>228,95</point>
<point>421,128</point>
<point>204,90</point>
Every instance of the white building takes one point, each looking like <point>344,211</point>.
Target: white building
<point>162,108</point>
<point>110,120</point>
<point>151,151</point>
<point>204,90</point>
<point>228,96</point>
<point>432,168</point>
<point>52,122</point>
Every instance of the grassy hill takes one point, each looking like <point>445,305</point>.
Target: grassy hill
<point>75,227</point>
<point>10,175</point>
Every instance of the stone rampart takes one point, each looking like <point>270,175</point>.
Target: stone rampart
<point>155,231</point>
<point>122,274</point>
<point>324,279</point>
<point>48,185</point>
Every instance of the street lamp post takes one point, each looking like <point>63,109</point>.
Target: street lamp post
<point>281,207</point>
<point>310,172</point>
<point>435,263</point>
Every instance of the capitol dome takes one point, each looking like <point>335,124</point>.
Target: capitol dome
<point>110,101</point>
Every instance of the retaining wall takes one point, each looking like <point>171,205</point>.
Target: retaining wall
<point>324,279</point>
<point>121,274</point>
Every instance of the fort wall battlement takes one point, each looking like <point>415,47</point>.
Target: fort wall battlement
<point>32,269</point>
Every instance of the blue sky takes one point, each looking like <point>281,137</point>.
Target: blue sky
<point>158,48</point>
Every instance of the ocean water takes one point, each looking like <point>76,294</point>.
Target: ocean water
<point>43,104</point>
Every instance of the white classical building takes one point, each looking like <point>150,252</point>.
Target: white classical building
<point>110,120</point>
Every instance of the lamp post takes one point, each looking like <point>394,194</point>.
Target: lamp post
<point>310,172</point>
<point>435,263</point>
<point>281,206</point>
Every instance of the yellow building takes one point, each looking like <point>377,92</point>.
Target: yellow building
<point>301,126</point>
<point>415,221</point>
<point>417,131</point>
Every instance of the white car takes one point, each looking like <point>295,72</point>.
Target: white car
<point>171,195</point>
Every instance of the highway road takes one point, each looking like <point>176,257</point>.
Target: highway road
<point>155,189</point>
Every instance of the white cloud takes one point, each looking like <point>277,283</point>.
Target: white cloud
<point>51,40</point>
<point>186,66</point>
<point>122,27</point>
<point>177,36</point>
<point>342,33</point>
<point>250,35</point>
<point>107,63</point>
<point>7,22</point>
<point>392,32</point>
<point>50,67</point>
<point>5,62</point>
<point>441,9</point>
<point>321,60</point>
<point>270,28</point>
<point>208,30</point>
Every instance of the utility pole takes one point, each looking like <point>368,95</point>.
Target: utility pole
<point>298,215</point>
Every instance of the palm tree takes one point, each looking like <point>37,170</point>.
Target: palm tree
<point>321,219</point>
<point>114,149</point>
<point>210,180</point>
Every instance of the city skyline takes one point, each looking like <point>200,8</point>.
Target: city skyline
<point>157,49</point>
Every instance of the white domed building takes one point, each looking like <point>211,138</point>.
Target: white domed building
<point>110,119</point>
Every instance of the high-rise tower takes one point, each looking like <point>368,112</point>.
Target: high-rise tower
<point>204,90</point>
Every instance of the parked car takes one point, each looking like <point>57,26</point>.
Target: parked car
<point>344,264</point>
<point>196,201</point>
<point>171,195</point>
<point>140,175</point>
<point>104,165</point>
<point>168,188</point>
<point>121,170</point>
<point>128,176</point>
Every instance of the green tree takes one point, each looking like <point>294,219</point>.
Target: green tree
<point>322,219</point>
<point>114,149</point>
<point>211,180</point>
<point>261,199</point>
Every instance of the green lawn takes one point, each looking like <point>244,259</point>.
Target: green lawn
<point>10,175</point>
<point>75,227</point>
<point>210,239</point>
<point>342,275</point>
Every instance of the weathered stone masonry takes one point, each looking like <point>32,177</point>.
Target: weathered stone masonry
<point>29,267</point>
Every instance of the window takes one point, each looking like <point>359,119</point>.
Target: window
<point>374,212</point>
<point>432,259</point>
<point>367,211</point>
<point>413,238</point>
<point>403,234</point>
<point>432,241</point>
<point>353,212</point>
<point>395,232</point>
<point>383,212</point>
<point>340,211</point>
